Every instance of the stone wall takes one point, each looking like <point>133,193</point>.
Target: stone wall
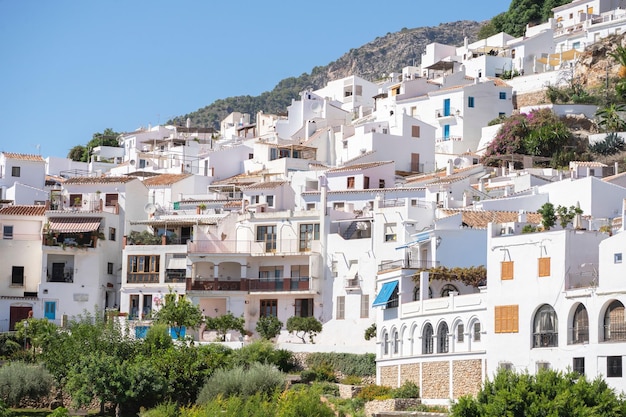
<point>435,380</point>
<point>410,372</point>
<point>530,99</point>
<point>374,408</point>
<point>466,377</point>
<point>389,376</point>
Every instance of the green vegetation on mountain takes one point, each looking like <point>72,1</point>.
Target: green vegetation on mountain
<point>106,138</point>
<point>520,14</point>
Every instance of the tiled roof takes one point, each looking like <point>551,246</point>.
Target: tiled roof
<point>479,219</point>
<point>592,164</point>
<point>265,185</point>
<point>498,82</point>
<point>367,191</point>
<point>23,156</point>
<point>357,167</point>
<point>37,210</point>
<point>164,179</point>
<point>99,180</point>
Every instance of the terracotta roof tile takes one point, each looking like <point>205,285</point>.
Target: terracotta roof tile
<point>268,185</point>
<point>593,164</point>
<point>479,219</point>
<point>164,179</point>
<point>37,210</point>
<point>99,180</point>
<point>23,156</point>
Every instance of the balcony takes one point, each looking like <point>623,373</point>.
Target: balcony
<point>215,285</point>
<point>142,278</point>
<point>449,139</point>
<point>265,247</point>
<point>352,283</point>
<point>407,263</point>
<point>279,284</point>
<point>71,240</point>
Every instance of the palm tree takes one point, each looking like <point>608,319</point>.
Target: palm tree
<point>610,117</point>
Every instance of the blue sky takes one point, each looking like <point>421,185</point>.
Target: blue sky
<point>73,68</point>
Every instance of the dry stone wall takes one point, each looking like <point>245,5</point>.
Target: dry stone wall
<point>435,380</point>
<point>466,377</point>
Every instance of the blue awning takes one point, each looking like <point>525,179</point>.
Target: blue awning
<point>420,237</point>
<point>385,293</point>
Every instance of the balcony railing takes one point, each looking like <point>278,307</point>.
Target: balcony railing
<point>250,284</point>
<point>579,334</point>
<point>615,332</point>
<point>449,138</point>
<point>407,263</point>
<point>142,278</point>
<point>269,246</point>
<point>545,339</point>
<point>216,285</point>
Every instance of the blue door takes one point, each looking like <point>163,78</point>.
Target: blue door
<point>50,308</point>
<point>446,107</point>
<point>446,132</point>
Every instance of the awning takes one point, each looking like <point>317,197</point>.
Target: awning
<point>177,263</point>
<point>74,224</point>
<point>419,238</point>
<point>557,58</point>
<point>385,293</point>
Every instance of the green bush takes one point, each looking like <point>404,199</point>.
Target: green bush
<point>375,392</point>
<point>268,327</point>
<point>351,380</point>
<point>319,373</point>
<point>346,363</point>
<point>263,351</point>
<point>19,380</point>
<point>168,409</point>
<point>4,410</point>
<point>60,412</point>
<point>407,390</point>
<point>302,402</point>
<point>258,378</point>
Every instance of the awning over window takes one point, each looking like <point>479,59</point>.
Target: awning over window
<point>385,293</point>
<point>419,238</point>
<point>177,263</point>
<point>74,224</point>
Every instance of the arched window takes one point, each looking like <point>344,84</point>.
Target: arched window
<point>385,344</point>
<point>396,342</point>
<point>416,293</point>
<point>580,325</point>
<point>427,339</point>
<point>614,326</point>
<point>545,327</point>
<point>447,289</point>
<point>442,338</point>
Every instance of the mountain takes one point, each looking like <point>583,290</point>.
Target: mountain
<point>385,54</point>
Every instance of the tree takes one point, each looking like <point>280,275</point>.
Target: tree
<point>222,324</point>
<point>302,326</point>
<point>268,327</point>
<point>548,216</point>
<point>179,313</point>
<point>547,393</point>
<point>567,215</point>
<point>36,331</point>
<point>370,332</point>
<point>76,153</point>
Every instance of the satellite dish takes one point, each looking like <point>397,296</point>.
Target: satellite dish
<point>457,162</point>
<point>132,162</point>
<point>150,208</point>
<point>316,106</point>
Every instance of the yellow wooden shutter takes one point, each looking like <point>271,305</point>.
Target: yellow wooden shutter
<point>506,270</point>
<point>544,267</point>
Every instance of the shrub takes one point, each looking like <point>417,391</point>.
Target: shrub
<point>319,373</point>
<point>264,379</point>
<point>407,390</point>
<point>302,326</point>
<point>346,363</point>
<point>612,144</point>
<point>60,412</point>
<point>302,402</point>
<point>529,228</point>
<point>4,410</point>
<point>351,380</point>
<point>19,381</point>
<point>168,409</point>
<point>375,392</point>
<point>268,327</point>
<point>264,352</point>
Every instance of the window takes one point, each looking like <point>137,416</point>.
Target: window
<point>303,307</point>
<point>476,332</point>
<point>15,171</point>
<point>506,319</point>
<point>366,182</point>
<point>390,232</point>
<point>447,289</point>
<point>110,200</point>
<point>416,293</point>
<point>394,299</point>
<point>143,268</point>
<point>111,233</point>
<point>617,258</point>
<point>415,131</point>
<point>17,275</point>
<point>110,268</point>
<point>269,200</point>
<point>544,267</point>
<point>254,199</point>
<point>381,183</point>
<point>308,233</point>
<point>267,234</point>
<point>396,342</point>
<point>338,206</point>
<point>341,307</point>
<point>350,182</point>
<point>545,327</point>
<point>614,366</point>
<point>507,366</point>
<point>614,325</point>
<point>442,338</point>
<point>7,232</point>
<point>385,344</point>
<point>446,132</point>
<point>427,339</point>
<point>470,101</point>
<point>365,306</point>
<point>502,95</point>
<point>578,365</point>
<point>506,270</point>
<point>501,114</point>
<point>460,329</point>
<point>269,308</point>
<point>76,200</point>
<point>580,325</point>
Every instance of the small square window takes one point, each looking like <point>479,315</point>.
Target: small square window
<point>470,102</point>
<point>7,232</point>
<point>614,366</point>
<point>502,95</point>
<point>269,200</point>
<point>111,233</point>
<point>617,258</point>
<point>110,268</point>
<point>17,275</point>
<point>15,171</point>
<point>579,365</point>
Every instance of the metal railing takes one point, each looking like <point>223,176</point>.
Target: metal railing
<point>407,263</point>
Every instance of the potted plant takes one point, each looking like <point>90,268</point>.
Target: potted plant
<point>201,208</point>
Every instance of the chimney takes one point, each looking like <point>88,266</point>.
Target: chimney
<point>449,168</point>
<point>521,217</point>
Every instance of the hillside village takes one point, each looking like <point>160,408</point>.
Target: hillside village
<point>359,207</point>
